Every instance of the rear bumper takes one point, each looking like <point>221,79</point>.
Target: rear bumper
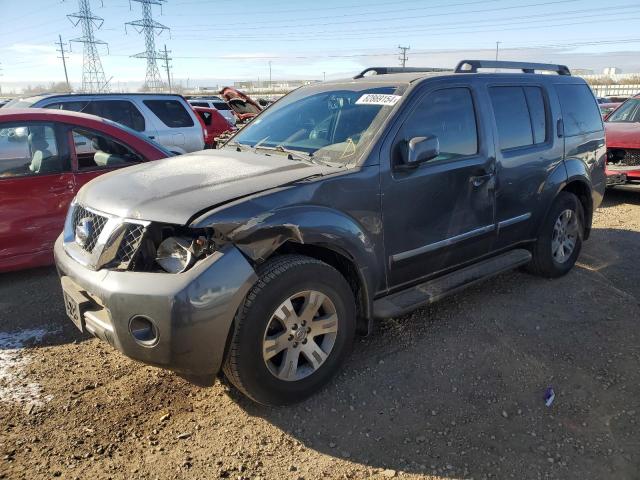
<point>192,311</point>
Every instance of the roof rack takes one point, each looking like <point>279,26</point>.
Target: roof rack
<point>389,70</point>
<point>472,66</point>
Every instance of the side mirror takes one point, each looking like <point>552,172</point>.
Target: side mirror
<point>422,149</point>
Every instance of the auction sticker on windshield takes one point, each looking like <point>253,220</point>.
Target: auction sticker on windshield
<point>378,99</point>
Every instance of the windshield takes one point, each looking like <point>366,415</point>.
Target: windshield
<point>332,126</point>
<point>628,112</point>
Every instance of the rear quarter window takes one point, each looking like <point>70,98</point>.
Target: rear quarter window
<point>580,112</point>
<point>171,112</point>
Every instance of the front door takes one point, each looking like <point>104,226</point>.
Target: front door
<point>441,213</point>
<point>36,187</point>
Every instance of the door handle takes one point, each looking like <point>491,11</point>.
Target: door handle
<point>152,137</point>
<point>479,180</point>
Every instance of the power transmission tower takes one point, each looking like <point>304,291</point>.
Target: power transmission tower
<point>93,79</point>
<point>151,28</point>
<point>166,59</point>
<point>64,59</point>
<point>403,55</point>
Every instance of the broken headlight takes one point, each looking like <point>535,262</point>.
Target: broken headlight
<point>178,254</point>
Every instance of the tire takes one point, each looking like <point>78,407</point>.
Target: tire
<point>257,364</point>
<point>548,260</point>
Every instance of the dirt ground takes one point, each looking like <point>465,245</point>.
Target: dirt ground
<point>452,391</point>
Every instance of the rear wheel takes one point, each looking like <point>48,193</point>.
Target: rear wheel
<point>293,331</point>
<point>560,239</point>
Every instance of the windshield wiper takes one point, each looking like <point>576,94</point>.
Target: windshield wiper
<point>236,144</point>
<point>292,154</point>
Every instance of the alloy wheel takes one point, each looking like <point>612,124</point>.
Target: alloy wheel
<point>300,335</point>
<point>565,236</point>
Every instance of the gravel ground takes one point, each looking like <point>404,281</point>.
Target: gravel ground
<point>451,391</point>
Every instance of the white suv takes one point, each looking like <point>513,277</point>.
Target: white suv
<point>167,119</point>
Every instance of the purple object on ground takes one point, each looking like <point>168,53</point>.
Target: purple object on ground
<point>549,396</point>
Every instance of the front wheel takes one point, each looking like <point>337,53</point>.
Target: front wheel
<point>560,238</point>
<point>293,332</point>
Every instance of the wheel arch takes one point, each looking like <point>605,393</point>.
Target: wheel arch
<point>346,265</point>
<point>581,189</point>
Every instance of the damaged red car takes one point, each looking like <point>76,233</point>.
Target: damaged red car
<point>214,125</point>
<point>242,105</point>
<point>623,144</point>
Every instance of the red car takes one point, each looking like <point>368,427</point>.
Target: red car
<point>623,143</point>
<point>242,105</point>
<point>45,157</point>
<point>607,108</point>
<point>214,124</point>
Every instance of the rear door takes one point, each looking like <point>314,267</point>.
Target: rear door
<point>527,152</point>
<point>441,213</point>
<point>584,139</point>
<point>36,187</point>
<point>178,128</point>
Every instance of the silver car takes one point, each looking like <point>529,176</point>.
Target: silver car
<point>167,119</point>
<point>215,102</point>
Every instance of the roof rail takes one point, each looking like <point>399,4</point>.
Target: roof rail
<point>389,70</point>
<point>472,66</point>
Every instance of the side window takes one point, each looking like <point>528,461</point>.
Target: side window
<point>72,106</point>
<point>206,117</point>
<point>120,111</point>
<point>29,149</point>
<point>200,104</point>
<point>171,112</point>
<point>95,150</point>
<point>580,111</point>
<point>537,112</point>
<point>221,106</point>
<point>520,116</point>
<point>512,117</point>
<point>449,115</point>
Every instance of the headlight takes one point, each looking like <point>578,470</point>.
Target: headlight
<point>175,255</point>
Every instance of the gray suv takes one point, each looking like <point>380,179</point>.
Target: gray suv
<point>167,119</point>
<point>344,202</point>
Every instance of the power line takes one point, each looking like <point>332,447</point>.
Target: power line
<point>93,78</point>
<point>403,55</point>
<point>64,59</point>
<point>435,32</point>
<point>383,19</point>
<point>150,28</point>
<point>441,26</point>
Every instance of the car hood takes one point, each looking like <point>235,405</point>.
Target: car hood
<point>623,135</point>
<point>173,190</point>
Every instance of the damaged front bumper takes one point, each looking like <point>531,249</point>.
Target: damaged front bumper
<point>190,313</point>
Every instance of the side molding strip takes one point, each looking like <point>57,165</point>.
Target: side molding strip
<point>442,243</point>
<point>510,221</point>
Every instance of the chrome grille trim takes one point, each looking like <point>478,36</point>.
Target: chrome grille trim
<point>113,244</point>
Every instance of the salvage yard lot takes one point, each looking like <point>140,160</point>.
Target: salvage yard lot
<point>451,391</point>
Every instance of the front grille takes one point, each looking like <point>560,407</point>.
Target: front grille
<point>130,244</point>
<point>624,157</point>
<point>97,224</point>
<point>632,158</point>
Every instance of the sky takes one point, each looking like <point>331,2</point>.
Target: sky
<point>213,42</point>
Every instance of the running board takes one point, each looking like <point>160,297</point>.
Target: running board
<point>428,292</point>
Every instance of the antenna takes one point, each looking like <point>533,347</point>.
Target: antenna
<point>151,28</point>
<point>93,79</point>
